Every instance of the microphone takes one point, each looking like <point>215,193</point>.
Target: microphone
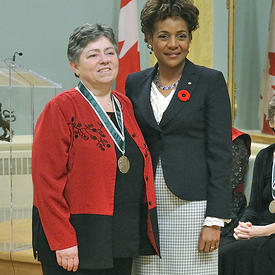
<point>19,53</point>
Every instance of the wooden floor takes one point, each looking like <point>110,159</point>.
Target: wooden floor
<point>17,262</point>
<point>19,268</point>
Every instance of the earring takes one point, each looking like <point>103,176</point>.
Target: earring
<point>149,46</point>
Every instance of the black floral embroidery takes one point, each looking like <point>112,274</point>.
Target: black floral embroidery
<point>90,132</point>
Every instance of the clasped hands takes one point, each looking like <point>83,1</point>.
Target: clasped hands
<point>245,230</point>
<point>68,258</point>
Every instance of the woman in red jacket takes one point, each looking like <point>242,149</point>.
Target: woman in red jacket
<point>92,172</point>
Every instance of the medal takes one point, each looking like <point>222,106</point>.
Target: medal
<point>272,207</point>
<point>117,136</point>
<point>123,164</point>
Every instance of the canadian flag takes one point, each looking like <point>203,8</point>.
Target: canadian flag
<point>129,61</point>
<point>269,75</point>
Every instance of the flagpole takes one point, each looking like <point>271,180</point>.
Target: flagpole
<point>231,84</point>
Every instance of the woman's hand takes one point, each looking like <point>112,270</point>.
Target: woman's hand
<point>245,230</point>
<point>241,231</point>
<point>68,258</point>
<point>209,238</point>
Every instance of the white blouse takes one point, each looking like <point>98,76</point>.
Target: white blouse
<point>159,102</point>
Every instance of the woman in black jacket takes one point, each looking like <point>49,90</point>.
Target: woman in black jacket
<point>183,111</point>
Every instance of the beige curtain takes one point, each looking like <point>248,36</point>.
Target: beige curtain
<point>201,48</point>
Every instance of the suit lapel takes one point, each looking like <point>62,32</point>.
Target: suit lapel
<point>188,81</point>
<point>145,101</point>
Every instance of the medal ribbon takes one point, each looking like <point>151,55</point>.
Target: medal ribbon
<point>273,177</point>
<point>117,136</point>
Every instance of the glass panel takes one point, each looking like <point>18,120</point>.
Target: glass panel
<point>5,176</point>
<point>21,182</point>
<point>23,95</point>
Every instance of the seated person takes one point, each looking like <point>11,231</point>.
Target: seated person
<point>253,250</point>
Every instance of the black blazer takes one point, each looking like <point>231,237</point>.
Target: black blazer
<point>193,138</point>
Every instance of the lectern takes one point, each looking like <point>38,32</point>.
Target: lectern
<point>23,94</point>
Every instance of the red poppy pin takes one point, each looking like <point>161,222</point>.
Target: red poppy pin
<point>184,95</point>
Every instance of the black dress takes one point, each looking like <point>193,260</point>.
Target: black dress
<point>240,154</point>
<point>257,255</point>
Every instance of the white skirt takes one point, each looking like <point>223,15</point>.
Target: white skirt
<point>180,224</point>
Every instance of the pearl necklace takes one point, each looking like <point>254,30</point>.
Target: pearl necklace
<point>164,87</point>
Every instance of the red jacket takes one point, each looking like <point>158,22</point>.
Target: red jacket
<point>73,176</point>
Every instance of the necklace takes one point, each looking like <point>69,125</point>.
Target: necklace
<point>164,87</point>
<point>109,102</point>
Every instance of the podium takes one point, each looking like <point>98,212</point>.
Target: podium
<point>23,95</point>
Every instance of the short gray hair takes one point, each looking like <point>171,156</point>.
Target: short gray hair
<point>271,109</point>
<point>85,34</point>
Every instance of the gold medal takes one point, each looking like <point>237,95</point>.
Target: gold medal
<point>272,207</point>
<point>123,164</point>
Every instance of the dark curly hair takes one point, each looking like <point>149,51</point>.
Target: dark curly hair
<point>158,10</point>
